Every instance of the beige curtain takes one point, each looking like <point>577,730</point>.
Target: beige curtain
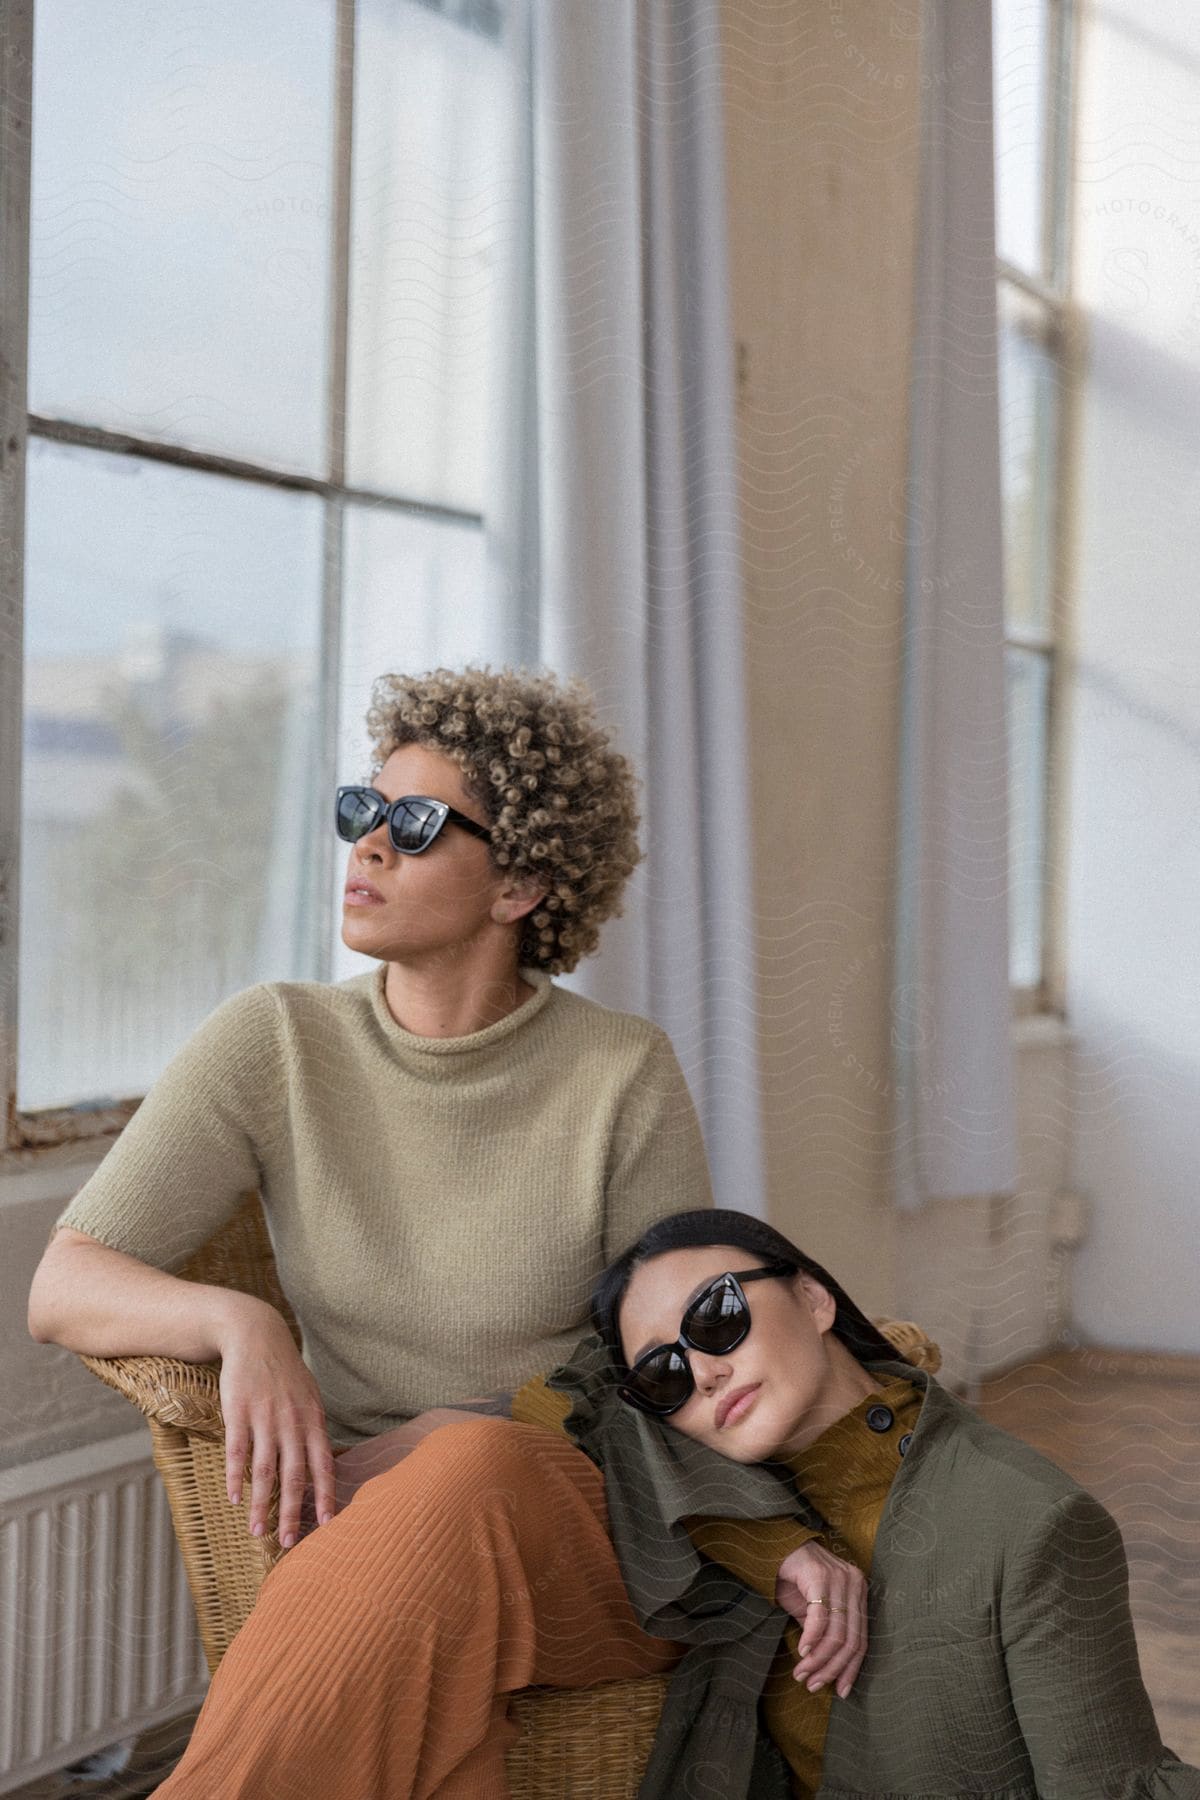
<point>616,544</point>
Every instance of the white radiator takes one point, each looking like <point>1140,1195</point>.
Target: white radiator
<point>98,1638</point>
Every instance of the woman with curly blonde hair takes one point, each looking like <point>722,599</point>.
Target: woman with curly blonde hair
<point>449,1149</point>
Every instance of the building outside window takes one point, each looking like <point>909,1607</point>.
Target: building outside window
<point>262,249</point>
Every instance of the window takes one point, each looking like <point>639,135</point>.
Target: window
<point>1033,43</point>
<point>249,403</point>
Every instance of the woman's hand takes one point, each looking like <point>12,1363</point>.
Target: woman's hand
<point>834,1639</point>
<point>273,1413</point>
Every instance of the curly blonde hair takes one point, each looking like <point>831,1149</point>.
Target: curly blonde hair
<point>559,799</point>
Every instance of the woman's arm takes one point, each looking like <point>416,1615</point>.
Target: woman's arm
<point>103,1302</point>
<point>1072,1664</point>
<point>178,1171</point>
<point>782,1560</point>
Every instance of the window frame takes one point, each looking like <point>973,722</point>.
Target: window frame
<point>1061,331</point>
<point>56,1132</point>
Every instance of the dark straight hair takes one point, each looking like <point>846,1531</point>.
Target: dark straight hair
<point>717,1225</point>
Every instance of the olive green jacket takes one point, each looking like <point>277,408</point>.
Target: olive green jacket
<point>1002,1663</point>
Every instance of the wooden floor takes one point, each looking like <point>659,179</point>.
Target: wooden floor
<point>1128,1428</point>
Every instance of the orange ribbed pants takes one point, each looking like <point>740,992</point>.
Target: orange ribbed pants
<point>376,1660</point>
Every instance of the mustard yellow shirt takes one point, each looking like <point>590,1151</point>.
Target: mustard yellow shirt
<point>846,1473</point>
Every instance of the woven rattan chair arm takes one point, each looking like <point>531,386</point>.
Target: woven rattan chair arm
<point>188,1396</point>
<point>183,1394</point>
<point>912,1342</point>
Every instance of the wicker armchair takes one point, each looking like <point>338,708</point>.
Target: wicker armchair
<point>591,1744</point>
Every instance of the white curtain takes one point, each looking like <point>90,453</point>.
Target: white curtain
<point>614,540</point>
<point>952,1029</point>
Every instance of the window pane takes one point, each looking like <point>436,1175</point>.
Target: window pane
<point>486,16</point>
<point>168,784</point>
<point>429,208</point>
<point>1028,453</point>
<point>415,600</point>
<point>1028,702</point>
<point>1020,51</point>
<point>179,260</point>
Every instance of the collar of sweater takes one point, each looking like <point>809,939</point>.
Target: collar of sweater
<point>430,1052</point>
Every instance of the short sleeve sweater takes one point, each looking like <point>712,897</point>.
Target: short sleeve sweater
<point>439,1207</point>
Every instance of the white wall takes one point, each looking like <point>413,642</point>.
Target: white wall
<point>822,139</point>
<point>1132,903</point>
<point>48,1401</point>
<point>824,360</point>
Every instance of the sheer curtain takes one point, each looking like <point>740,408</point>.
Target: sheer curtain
<point>612,536</point>
<point>952,1029</point>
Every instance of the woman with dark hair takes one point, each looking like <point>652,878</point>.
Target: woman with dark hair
<point>739,1403</point>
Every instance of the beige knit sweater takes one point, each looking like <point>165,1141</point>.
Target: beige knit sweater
<point>439,1207</point>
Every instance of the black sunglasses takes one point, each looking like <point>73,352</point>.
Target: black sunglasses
<point>717,1321</point>
<point>413,821</point>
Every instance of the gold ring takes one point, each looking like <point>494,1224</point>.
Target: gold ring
<point>820,1600</point>
<point>841,1609</point>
